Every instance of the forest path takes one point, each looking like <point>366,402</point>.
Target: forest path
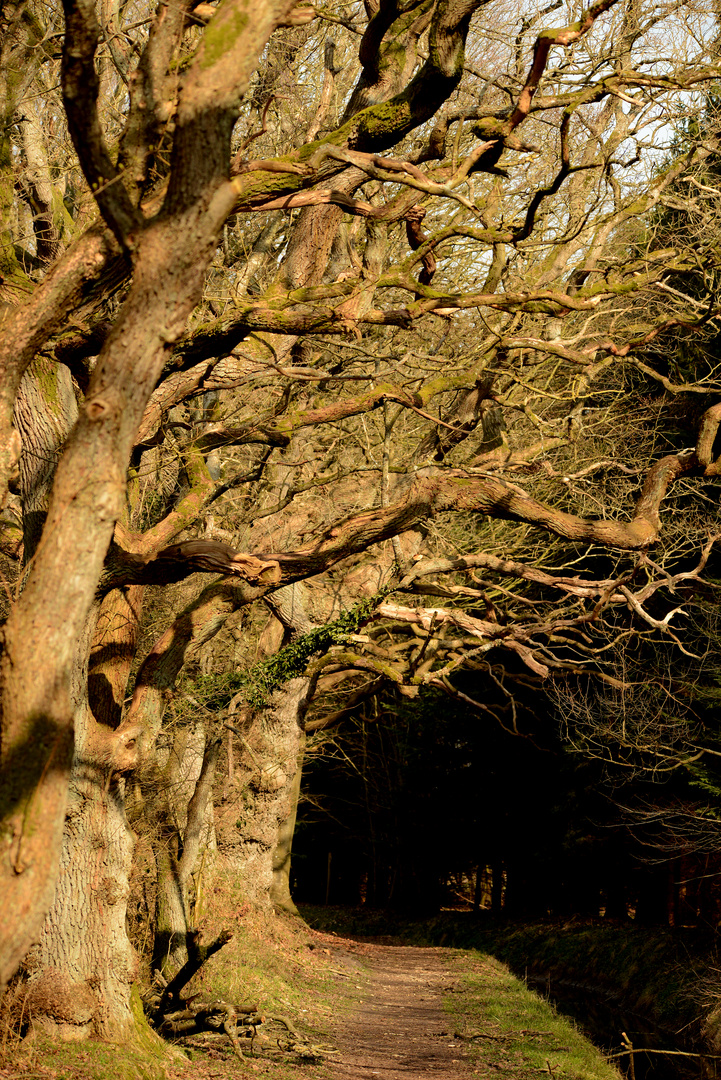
<point>400,1030</point>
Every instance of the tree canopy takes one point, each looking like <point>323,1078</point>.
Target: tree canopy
<point>414,303</point>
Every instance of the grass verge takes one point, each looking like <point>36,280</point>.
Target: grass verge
<point>507,1028</point>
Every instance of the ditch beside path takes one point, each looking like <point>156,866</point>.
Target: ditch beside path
<point>400,1031</point>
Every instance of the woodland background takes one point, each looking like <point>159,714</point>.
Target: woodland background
<point>359,400</point>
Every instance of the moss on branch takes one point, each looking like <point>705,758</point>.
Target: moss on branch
<point>290,662</point>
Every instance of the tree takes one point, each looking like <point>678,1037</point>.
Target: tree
<point>177,269</point>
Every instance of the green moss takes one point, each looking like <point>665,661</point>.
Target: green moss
<point>365,402</point>
<point>453,382</point>
<point>158,1054</point>
<point>220,38</point>
<point>46,373</point>
<point>375,127</point>
<point>62,219</point>
<point>215,691</point>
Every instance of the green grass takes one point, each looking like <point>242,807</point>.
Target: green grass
<point>668,976</point>
<point>43,1059</point>
<point>504,1026</point>
<point>509,1028</point>
<point>273,960</point>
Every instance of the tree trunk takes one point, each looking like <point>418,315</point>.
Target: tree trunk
<point>45,411</point>
<point>262,808</point>
<point>170,255</point>
<point>84,966</point>
<point>181,814</point>
<point>280,888</point>
<point>82,969</point>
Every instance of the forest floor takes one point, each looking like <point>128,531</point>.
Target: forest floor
<point>453,1014</point>
<point>400,1029</point>
<point>382,1010</point>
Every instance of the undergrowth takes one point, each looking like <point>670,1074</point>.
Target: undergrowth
<point>273,960</point>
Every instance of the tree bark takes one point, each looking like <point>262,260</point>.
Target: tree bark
<point>269,754</point>
<point>180,813</point>
<point>280,893</point>
<point>84,967</point>
<point>45,412</point>
<point>170,256</point>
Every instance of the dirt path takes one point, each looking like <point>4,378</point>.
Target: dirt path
<point>400,1031</point>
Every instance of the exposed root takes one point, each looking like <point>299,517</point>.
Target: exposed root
<point>214,1022</point>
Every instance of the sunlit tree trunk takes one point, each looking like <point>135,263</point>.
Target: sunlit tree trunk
<point>180,817</point>
<point>256,846</point>
<point>84,966</point>
<point>280,892</point>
